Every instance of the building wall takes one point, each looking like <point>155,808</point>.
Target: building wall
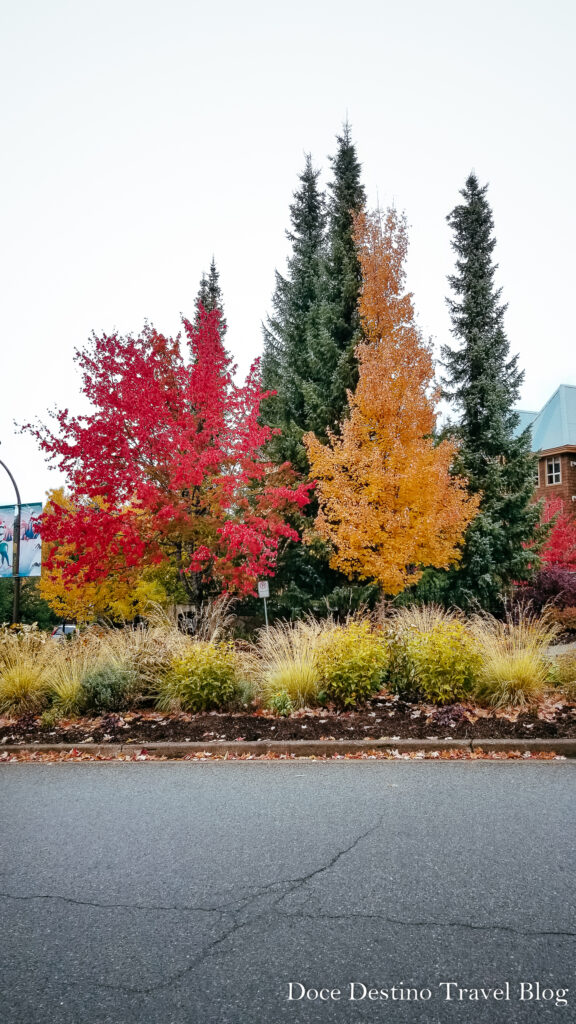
<point>567,486</point>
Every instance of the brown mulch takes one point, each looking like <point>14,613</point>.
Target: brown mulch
<point>383,716</point>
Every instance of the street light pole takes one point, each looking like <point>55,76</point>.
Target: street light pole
<point>15,549</point>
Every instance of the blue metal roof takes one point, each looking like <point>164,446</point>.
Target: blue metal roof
<point>526,418</point>
<point>555,425</point>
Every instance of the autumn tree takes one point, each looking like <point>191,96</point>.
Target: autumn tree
<point>388,503</point>
<point>120,596</point>
<point>168,467</point>
<point>560,546</point>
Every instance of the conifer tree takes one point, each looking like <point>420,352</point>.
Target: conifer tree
<point>309,342</point>
<point>309,361</point>
<point>344,276</point>
<point>210,297</point>
<point>288,333</point>
<point>483,381</point>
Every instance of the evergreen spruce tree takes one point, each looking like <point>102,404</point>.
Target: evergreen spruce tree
<point>483,382</point>
<point>289,332</point>
<point>341,319</point>
<point>309,361</point>
<point>210,295</point>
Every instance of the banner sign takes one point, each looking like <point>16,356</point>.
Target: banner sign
<point>30,542</point>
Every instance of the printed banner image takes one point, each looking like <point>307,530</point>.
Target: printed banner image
<point>30,541</point>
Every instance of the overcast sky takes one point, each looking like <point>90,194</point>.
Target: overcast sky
<point>140,137</point>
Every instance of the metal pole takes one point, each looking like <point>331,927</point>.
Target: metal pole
<point>15,550</point>
<point>265,613</point>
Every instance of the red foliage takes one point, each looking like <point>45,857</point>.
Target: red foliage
<point>168,465</point>
<point>560,548</point>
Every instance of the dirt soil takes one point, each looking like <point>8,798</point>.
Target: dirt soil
<point>383,716</point>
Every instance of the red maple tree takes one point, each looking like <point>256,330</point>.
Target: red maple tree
<point>168,466</point>
<point>560,548</point>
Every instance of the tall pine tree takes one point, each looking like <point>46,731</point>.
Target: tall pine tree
<point>309,342</point>
<point>341,320</point>
<point>210,296</point>
<point>289,332</point>
<point>483,381</point>
<point>309,360</point>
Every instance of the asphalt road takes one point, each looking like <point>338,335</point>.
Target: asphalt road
<point>196,893</point>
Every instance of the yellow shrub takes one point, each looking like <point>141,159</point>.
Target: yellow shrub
<point>351,662</point>
<point>205,677</point>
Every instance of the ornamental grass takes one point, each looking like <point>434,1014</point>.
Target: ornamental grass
<point>23,670</point>
<point>284,663</point>
<point>515,670</point>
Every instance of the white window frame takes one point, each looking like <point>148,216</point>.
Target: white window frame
<point>553,474</point>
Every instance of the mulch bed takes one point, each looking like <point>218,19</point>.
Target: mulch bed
<point>383,716</point>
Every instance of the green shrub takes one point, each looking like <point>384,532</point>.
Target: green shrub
<point>204,678</point>
<point>439,664</point>
<point>107,687</point>
<point>351,662</point>
<point>280,703</point>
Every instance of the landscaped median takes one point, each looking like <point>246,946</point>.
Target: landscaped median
<point>422,680</point>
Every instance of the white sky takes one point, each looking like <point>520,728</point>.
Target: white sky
<point>139,137</point>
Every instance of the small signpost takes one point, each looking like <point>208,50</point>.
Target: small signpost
<point>264,592</point>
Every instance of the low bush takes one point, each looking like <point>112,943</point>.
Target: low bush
<point>203,679</point>
<point>515,670</point>
<point>107,687</point>
<point>351,662</point>
<point>565,618</point>
<point>551,585</point>
<point>433,657</point>
<point>280,703</point>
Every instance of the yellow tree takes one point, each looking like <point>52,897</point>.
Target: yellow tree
<point>387,501</point>
<point>120,596</point>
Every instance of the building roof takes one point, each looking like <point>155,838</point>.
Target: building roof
<point>555,425</point>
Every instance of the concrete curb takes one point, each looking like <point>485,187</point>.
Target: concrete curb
<point>306,748</point>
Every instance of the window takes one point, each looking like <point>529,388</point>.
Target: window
<point>537,475</point>
<point>553,475</point>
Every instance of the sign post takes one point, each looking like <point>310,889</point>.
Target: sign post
<point>15,549</point>
<point>264,592</point>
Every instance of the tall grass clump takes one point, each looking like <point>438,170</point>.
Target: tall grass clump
<point>23,670</point>
<point>514,668</point>
<point>285,666</point>
<point>564,673</point>
<point>69,664</point>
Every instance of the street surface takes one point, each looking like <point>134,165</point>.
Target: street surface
<point>196,893</point>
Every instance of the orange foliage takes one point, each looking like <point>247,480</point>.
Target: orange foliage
<point>387,501</point>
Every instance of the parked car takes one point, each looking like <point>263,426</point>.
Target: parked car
<point>63,630</point>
